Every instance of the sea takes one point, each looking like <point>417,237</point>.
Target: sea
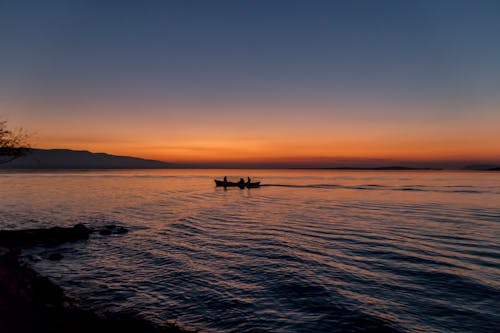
<point>308,251</point>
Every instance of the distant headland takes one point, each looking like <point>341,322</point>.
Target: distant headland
<point>80,159</point>
<point>392,167</point>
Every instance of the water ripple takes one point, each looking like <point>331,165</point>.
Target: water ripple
<point>315,251</point>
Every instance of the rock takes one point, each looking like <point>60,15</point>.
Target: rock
<point>55,256</point>
<point>105,232</point>
<point>48,237</point>
<point>112,229</point>
<point>121,230</point>
<point>30,302</point>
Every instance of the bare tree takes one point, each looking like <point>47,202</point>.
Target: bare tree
<point>13,144</point>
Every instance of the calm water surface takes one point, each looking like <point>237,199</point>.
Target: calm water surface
<point>316,251</point>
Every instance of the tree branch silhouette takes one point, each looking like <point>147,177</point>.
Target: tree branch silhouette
<point>13,144</point>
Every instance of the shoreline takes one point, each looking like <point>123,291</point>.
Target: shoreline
<point>30,302</point>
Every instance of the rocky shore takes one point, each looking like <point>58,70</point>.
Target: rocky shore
<point>30,302</point>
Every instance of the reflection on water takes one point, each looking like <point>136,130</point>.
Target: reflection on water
<point>314,251</point>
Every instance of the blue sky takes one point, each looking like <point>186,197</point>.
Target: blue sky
<point>413,47</point>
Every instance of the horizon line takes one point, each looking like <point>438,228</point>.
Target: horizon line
<point>342,163</point>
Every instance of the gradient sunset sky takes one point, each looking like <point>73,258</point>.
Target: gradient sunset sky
<point>310,83</point>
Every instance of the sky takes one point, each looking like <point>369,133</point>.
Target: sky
<point>306,83</point>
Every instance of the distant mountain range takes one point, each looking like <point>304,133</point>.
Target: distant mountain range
<point>74,159</point>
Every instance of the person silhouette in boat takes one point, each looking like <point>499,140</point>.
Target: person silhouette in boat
<point>241,182</point>
<point>249,180</point>
<point>225,180</point>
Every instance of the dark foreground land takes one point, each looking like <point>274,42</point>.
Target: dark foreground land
<point>30,302</point>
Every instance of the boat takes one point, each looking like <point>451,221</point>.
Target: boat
<point>233,184</point>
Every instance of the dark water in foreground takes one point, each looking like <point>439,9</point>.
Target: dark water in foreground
<point>320,251</point>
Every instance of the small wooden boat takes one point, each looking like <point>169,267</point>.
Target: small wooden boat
<point>232,184</point>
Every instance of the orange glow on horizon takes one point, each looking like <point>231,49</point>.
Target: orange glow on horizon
<point>285,134</point>
<point>292,152</point>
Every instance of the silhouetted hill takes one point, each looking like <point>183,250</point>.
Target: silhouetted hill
<point>482,167</point>
<point>73,159</point>
<point>396,167</point>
